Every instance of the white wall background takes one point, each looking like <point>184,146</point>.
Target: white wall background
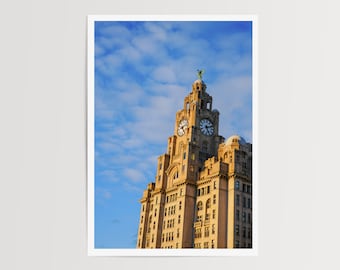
<point>43,124</point>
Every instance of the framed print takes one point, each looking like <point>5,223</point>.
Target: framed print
<point>172,135</point>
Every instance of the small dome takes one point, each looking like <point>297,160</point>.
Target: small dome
<point>198,81</point>
<point>199,85</point>
<point>235,139</point>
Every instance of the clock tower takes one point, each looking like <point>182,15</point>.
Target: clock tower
<point>191,172</point>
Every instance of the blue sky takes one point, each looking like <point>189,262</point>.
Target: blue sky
<point>143,71</point>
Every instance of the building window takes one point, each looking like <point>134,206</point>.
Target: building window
<point>165,211</point>
<point>159,178</point>
<point>141,219</point>
<point>208,189</point>
<point>193,156</point>
<point>213,213</point>
<point>214,184</point>
<point>183,168</point>
<point>244,188</point>
<point>184,155</point>
<point>243,216</point>
<point>160,166</point>
<point>179,219</point>
<point>212,244</point>
<point>180,206</point>
<point>199,218</point>
<point>237,215</point>
<point>214,199</point>
<point>177,233</point>
<point>237,185</point>
<point>249,218</point>
<point>206,244</point>
<point>244,201</point>
<point>208,204</point>
<point>237,243</point>
<point>206,232</point>
<point>249,203</point>
<point>237,199</point>
<point>243,231</point>
<point>213,229</point>
<point>237,229</point>
<point>198,233</point>
<point>199,206</point>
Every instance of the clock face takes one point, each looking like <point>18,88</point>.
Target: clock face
<point>206,127</point>
<point>183,125</point>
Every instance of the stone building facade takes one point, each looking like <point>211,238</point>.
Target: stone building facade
<point>202,193</point>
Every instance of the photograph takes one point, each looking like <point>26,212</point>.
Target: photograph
<point>171,135</point>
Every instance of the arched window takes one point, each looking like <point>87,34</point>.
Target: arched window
<point>208,204</point>
<point>199,206</point>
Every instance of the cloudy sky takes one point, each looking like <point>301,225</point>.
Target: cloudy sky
<point>143,71</point>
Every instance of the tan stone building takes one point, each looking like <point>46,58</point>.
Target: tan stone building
<point>202,194</point>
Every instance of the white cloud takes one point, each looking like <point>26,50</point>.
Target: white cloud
<point>109,175</point>
<point>146,45</point>
<point>130,53</point>
<point>134,175</point>
<point>164,74</point>
<point>133,188</point>
<point>158,33</point>
<point>103,193</point>
<point>108,64</point>
<point>231,97</point>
